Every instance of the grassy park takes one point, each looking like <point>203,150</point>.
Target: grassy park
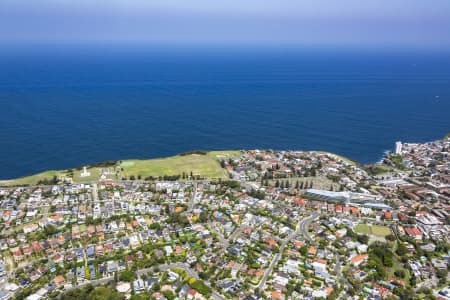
<point>33,179</point>
<point>377,230</point>
<point>205,165</point>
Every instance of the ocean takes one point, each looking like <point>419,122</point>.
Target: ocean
<point>63,107</point>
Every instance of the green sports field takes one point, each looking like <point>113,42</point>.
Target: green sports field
<point>377,230</point>
<point>204,165</point>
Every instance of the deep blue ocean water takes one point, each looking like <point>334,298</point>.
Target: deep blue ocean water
<point>65,107</point>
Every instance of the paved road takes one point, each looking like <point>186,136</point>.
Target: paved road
<point>223,241</point>
<point>337,267</point>
<point>95,192</point>
<point>236,232</point>
<point>192,200</point>
<point>337,270</point>
<point>302,227</point>
<point>429,283</point>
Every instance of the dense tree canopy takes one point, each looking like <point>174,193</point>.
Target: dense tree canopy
<point>91,293</point>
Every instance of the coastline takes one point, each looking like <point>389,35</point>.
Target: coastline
<point>200,163</point>
<point>211,168</point>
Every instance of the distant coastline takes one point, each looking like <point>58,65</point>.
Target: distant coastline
<point>202,163</point>
<point>205,164</point>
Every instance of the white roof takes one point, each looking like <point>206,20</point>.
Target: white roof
<point>33,297</point>
<point>123,287</point>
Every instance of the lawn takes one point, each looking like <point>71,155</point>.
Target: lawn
<point>373,230</point>
<point>33,179</point>
<point>377,169</point>
<point>363,229</point>
<point>95,174</point>
<point>398,266</point>
<point>381,230</point>
<point>206,165</point>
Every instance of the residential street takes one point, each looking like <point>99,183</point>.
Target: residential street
<point>302,227</point>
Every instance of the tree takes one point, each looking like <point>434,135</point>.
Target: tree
<point>413,281</point>
<point>126,276</point>
<point>401,249</point>
<point>203,218</point>
<point>77,294</point>
<point>380,256</point>
<point>391,237</point>
<point>304,250</point>
<point>362,238</point>
<point>169,295</point>
<point>50,230</point>
<point>388,261</point>
<point>400,273</point>
<point>323,243</point>
<point>442,275</point>
<point>142,296</point>
<point>104,293</point>
<point>350,233</point>
<point>257,194</point>
<point>201,287</point>
<point>405,293</point>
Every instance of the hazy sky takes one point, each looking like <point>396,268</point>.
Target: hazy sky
<point>340,23</point>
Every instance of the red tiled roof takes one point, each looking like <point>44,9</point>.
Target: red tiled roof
<point>412,231</point>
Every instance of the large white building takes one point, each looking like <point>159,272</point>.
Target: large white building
<point>348,198</point>
<point>398,148</point>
